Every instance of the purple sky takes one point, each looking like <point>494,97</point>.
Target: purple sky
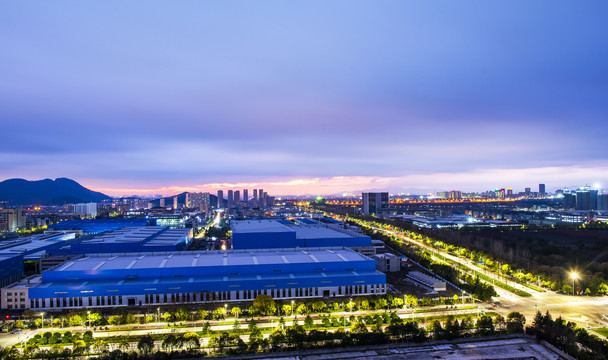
<point>305,97</point>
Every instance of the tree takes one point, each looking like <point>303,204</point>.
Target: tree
<point>264,304</point>
<point>115,320</point>
<point>167,316</point>
<point>359,328</point>
<point>79,347</point>
<point>484,325</point>
<point>100,345</point>
<point>253,325</point>
<point>191,340</point>
<point>286,308</point>
<point>206,328</point>
<point>235,311</point>
<point>182,314</point>
<point>145,344</point>
<point>411,301</point>
<point>397,301</point>
<point>202,314</point>
<point>168,343</point>
<point>219,313</point>
<point>437,329</point>
<point>95,319</point>
<point>567,289</point>
<point>318,306</point>
<point>302,309</point>
<point>237,326</point>
<point>506,268</point>
<point>515,323</point>
<point>75,320</point>
<point>308,322</point>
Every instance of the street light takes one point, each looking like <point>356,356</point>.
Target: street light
<point>89,313</point>
<point>158,310</point>
<point>350,304</point>
<point>42,314</point>
<point>292,305</point>
<point>574,276</point>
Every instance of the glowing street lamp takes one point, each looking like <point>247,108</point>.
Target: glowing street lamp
<point>89,314</point>
<point>574,276</point>
<point>42,323</point>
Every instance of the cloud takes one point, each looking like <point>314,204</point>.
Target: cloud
<point>477,180</point>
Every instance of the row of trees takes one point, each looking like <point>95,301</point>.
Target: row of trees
<point>376,329</point>
<point>533,248</point>
<point>263,305</point>
<point>568,337</point>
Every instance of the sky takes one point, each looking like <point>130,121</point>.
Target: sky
<point>304,97</point>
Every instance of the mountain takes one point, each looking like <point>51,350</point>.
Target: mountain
<point>47,192</point>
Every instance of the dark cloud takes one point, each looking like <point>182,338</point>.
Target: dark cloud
<point>236,90</point>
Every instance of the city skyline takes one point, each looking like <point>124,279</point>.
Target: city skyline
<point>305,98</point>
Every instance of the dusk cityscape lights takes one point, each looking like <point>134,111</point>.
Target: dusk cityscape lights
<point>327,180</point>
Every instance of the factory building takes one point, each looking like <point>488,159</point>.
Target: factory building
<point>95,226</point>
<point>301,233</point>
<point>193,277</point>
<point>15,251</point>
<point>130,239</point>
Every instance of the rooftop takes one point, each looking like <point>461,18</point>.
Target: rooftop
<point>34,243</point>
<point>207,259</point>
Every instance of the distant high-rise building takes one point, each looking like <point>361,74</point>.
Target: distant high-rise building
<point>528,191</point>
<point>245,196</point>
<point>569,201</point>
<point>541,189</point>
<point>187,202</point>
<point>374,203</point>
<point>602,202</point>
<point>502,194</point>
<point>455,195</point>
<point>260,194</point>
<point>220,199</point>
<point>12,219</point>
<point>586,199</point>
<point>162,202</point>
<point>509,192</point>
<point>88,209</point>
<point>237,197</point>
<point>175,202</point>
<point>255,195</point>
<point>230,197</point>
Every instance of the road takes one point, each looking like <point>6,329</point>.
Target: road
<point>12,339</point>
<point>586,311</point>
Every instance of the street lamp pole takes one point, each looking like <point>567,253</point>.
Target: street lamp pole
<point>574,276</point>
<point>89,314</point>
<point>158,310</point>
<point>42,323</point>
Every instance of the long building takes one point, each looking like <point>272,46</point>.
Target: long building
<point>15,251</point>
<point>302,233</point>
<point>193,277</point>
<point>131,239</point>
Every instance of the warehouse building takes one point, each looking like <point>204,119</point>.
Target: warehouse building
<point>96,226</point>
<point>15,251</point>
<point>130,239</point>
<point>192,277</point>
<point>301,233</point>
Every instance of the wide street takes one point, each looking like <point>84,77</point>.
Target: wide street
<point>228,325</point>
<point>586,311</point>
